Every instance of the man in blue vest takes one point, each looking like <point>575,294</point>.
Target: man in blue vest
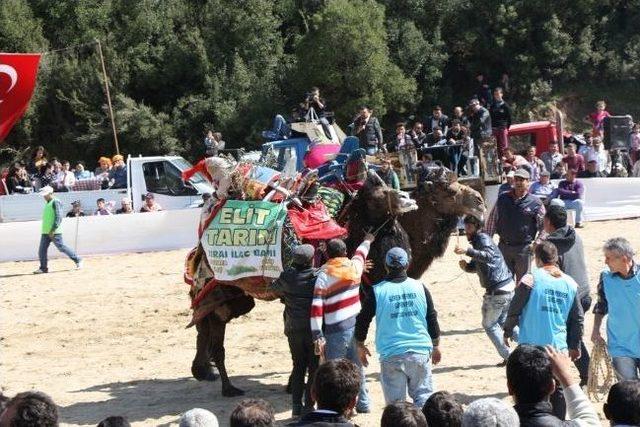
<point>547,310</point>
<point>619,298</point>
<point>52,231</point>
<point>407,332</point>
<point>517,218</point>
<point>495,278</point>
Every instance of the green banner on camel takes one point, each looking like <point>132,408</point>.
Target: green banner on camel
<point>245,239</point>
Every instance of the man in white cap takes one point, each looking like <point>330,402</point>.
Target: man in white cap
<point>52,231</point>
<point>407,332</point>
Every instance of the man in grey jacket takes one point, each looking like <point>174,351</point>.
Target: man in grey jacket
<point>571,261</point>
<point>495,278</point>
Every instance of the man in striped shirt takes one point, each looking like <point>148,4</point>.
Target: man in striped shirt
<point>336,303</point>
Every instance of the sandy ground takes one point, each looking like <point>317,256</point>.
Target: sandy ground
<point>111,339</point>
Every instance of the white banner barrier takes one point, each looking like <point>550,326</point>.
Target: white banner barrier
<point>93,235</point>
<point>605,198</point>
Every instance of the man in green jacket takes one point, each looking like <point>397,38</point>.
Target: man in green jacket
<point>52,231</point>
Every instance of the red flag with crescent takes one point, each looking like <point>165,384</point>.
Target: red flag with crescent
<point>18,73</point>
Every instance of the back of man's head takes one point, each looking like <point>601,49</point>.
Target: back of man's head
<point>557,216</point>
<point>442,409</point>
<point>623,403</point>
<point>336,385</point>
<point>30,409</point>
<point>252,413</point>
<point>198,417</point>
<point>115,421</point>
<point>402,414</point>
<point>336,248</point>
<point>529,374</point>
<point>490,412</point>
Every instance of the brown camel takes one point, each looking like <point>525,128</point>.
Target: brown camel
<point>228,300</point>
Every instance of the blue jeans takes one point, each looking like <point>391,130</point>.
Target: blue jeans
<point>407,372</point>
<point>626,367</point>
<point>494,314</point>
<point>279,129</point>
<point>577,205</point>
<point>45,241</point>
<point>341,345</point>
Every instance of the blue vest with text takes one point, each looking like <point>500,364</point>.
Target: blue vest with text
<point>623,323</point>
<point>544,319</point>
<point>401,319</point>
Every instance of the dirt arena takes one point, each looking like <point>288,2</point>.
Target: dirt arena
<point>111,339</point>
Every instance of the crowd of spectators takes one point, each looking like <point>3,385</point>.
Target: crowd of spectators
<point>533,373</point>
<point>40,171</point>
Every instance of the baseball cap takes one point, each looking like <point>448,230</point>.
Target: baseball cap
<point>46,190</point>
<point>522,173</point>
<point>511,174</point>
<point>545,173</point>
<point>397,258</point>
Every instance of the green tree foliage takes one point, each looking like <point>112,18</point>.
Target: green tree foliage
<point>178,67</point>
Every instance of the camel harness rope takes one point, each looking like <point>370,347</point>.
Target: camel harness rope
<point>601,375</point>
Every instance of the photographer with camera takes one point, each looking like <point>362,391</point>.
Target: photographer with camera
<point>312,100</point>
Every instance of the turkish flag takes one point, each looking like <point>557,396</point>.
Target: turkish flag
<point>18,73</point>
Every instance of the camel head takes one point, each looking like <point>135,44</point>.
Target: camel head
<point>440,190</point>
<point>378,202</point>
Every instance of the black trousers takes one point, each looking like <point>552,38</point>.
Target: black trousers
<point>582,364</point>
<point>304,361</point>
<point>518,259</point>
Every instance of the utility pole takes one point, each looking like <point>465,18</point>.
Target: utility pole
<point>106,88</point>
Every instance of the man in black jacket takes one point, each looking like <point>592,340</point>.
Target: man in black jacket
<point>437,119</point>
<point>495,277</point>
<point>296,285</point>
<point>480,124</point>
<point>500,120</point>
<point>571,261</point>
<point>335,388</point>
<point>367,129</point>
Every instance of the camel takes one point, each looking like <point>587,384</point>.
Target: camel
<point>224,301</point>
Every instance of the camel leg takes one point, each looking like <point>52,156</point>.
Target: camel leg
<point>201,368</point>
<point>218,331</point>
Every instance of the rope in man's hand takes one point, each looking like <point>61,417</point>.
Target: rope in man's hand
<point>601,375</point>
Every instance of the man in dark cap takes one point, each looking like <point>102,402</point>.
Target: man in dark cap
<point>296,285</point>
<point>407,332</point>
<point>517,217</point>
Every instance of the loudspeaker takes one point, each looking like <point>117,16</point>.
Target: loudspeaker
<point>616,132</point>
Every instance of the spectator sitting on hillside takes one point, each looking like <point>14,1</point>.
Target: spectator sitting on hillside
<point>82,173</point>
<point>125,206</point>
<point>601,155</point>
<point>592,171</point>
<point>483,91</point>
<point>116,421</point>
<point>537,165</point>
<point>530,380</point>
<point>490,412</point>
<point>32,408</point>
<point>596,119</point>
<point>552,157</point>
<point>587,147</point>
<point>335,390</point>
<point>402,414</point>
<point>103,209</point>
<point>118,172</point>
<point>38,160</point>
<point>573,160</point>
<point>570,194</point>
<point>543,188</point>
<point>198,417</point>
<point>252,413</point>
<point>623,404</point>
<point>442,409</point>
<point>150,204</point>
<point>512,161</point>
<point>417,135</point>
<point>104,167</point>
<point>76,210</point>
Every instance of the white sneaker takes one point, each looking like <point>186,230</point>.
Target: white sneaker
<point>79,265</point>
<point>39,271</point>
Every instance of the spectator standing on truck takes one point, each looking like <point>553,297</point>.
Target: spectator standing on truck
<point>500,120</point>
<point>480,126</point>
<point>38,160</point>
<point>367,129</point>
<point>104,166</point>
<point>81,173</point>
<point>118,173</point>
<point>52,231</point>
<point>596,119</point>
